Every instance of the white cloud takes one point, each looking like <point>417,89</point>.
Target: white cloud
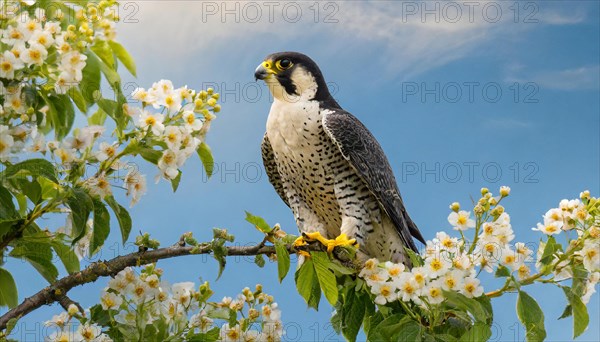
<point>580,78</point>
<point>559,17</point>
<point>402,40</point>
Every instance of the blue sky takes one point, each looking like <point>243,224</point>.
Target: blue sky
<point>496,96</point>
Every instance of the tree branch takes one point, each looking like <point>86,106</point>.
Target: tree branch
<point>58,290</point>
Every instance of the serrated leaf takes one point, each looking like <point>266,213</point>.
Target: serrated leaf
<point>353,314</point>
<point>8,290</point>
<point>283,260</point>
<point>67,256</point>
<point>531,316</point>
<point>122,217</point>
<point>581,318</point>
<point>307,284</point>
<point>34,167</point>
<point>101,227</point>
<point>81,206</point>
<point>206,157</point>
<point>259,223</point>
<point>123,56</point>
<point>326,277</point>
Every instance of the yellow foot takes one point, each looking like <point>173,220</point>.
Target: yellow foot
<point>341,240</point>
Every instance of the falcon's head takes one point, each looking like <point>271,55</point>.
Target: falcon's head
<point>291,76</point>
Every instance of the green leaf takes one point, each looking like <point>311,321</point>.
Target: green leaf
<point>32,190</point>
<point>353,314</point>
<point>111,75</point>
<point>259,260</point>
<point>98,118</point>
<point>122,217</point>
<point>8,290</point>
<point>33,167</point>
<point>90,86</point>
<point>64,114</point>
<point>7,205</point>
<point>67,256</point>
<point>397,327</point>
<point>478,332</point>
<point>502,271</point>
<point>206,157</point>
<point>307,284</point>
<point>104,51</point>
<point>81,206</point>
<point>551,248</point>
<point>101,227</point>
<point>78,99</point>
<point>283,260</point>
<point>415,259</point>
<point>581,318</point>
<point>39,255</point>
<point>531,316</point>
<point>175,181</point>
<point>567,312</point>
<point>463,303</point>
<point>123,56</point>
<point>326,277</point>
<point>259,223</point>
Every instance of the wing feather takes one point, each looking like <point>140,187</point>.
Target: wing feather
<point>271,167</point>
<point>365,155</point>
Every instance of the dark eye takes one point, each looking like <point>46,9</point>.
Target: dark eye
<point>283,64</point>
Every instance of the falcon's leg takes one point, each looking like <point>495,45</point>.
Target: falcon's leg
<point>357,206</point>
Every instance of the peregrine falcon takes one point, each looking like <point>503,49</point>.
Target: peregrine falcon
<point>327,166</point>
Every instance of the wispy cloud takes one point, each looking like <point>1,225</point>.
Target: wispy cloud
<point>580,78</point>
<point>562,17</point>
<point>404,40</point>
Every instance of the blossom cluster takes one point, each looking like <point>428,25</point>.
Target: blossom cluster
<point>178,118</point>
<point>41,46</point>
<point>454,263</point>
<point>134,303</point>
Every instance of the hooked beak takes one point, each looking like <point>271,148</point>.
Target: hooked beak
<point>264,71</point>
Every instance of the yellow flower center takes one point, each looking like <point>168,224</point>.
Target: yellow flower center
<point>551,228</point>
<point>408,288</point>
<point>450,282</point>
<point>34,54</point>
<point>6,66</point>
<point>509,259</point>
<point>436,265</point>
<point>386,290</point>
<point>462,220</point>
<point>150,120</point>
<point>435,292</point>
<point>394,271</point>
<point>591,253</point>
<point>470,288</point>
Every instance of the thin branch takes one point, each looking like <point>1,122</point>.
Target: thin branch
<point>58,290</point>
<point>65,302</point>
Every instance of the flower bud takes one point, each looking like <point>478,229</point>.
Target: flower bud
<point>492,201</point>
<point>210,91</point>
<point>211,102</point>
<point>504,191</point>
<point>203,95</point>
<point>72,310</point>
<point>484,191</point>
<point>253,314</point>
<point>584,195</point>
<point>217,108</point>
<point>478,209</point>
<point>595,232</point>
<point>259,287</point>
<point>216,96</point>
<point>455,206</point>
